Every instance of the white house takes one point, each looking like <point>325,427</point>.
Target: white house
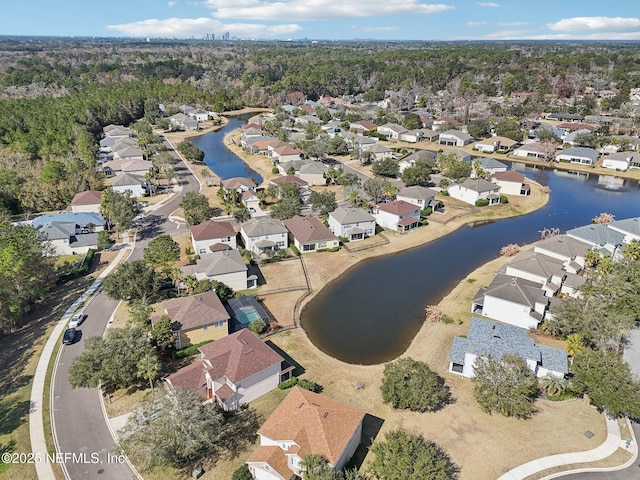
<point>488,165</point>
<point>629,227</point>
<point>352,223</point>
<point>621,161</point>
<point>226,266</point>
<point>454,138</point>
<point>136,184</point>
<point>211,236</point>
<point>511,183</point>
<point>392,130</point>
<point>534,150</point>
<point>410,160</point>
<point>511,300</point>
<point>379,151</point>
<point>261,234</point>
<point>539,268</point>
<point>239,184</point>
<point>305,423</point>
<point>494,144</point>
<point>579,155</point>
<point>498,339</point>
<point>398,215</point>
<point>67,238</point>
<point>87,201</point>
<point>474,189</point>
<point>233,370</point>
<point>570,251</point>
<point>422,197</point>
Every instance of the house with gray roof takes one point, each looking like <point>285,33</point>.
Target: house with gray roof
<point>474,189</point>
<point>264,233</point>
<point>511,300</point>
<point>352,223</point>
<point>123,182</point>
<point>579,155</point>
<point>84,220</point>
<point>454,138</point>
<point>488,164</point>
<point>629,227</point>
<point>498,339</point>
<point>569,250</point>
<point>410,160</point>
<point>422,197</point>
<point>67,238</point>
<point>600,237</point>
<point>379,151</point>
<point>225,266</point>
<point>392,130</point>
<point>548,272</point>
<point>621,161</point>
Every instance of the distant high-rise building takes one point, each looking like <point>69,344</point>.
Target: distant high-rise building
<point>226,36</point>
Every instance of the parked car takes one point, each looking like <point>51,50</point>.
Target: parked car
<point>76,320</point>
<point>69,336</point>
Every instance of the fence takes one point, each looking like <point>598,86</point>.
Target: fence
<point>384,240</point>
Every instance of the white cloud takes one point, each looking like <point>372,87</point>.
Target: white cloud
<point>198,27</point>
<point>374,29</point>
<point>513,24</point>
<point>590,24</point>
<point>489,4</point>
<point>318,9</point>
<point>172,4</point>
<point>508,35</point>
<point>475,24</point>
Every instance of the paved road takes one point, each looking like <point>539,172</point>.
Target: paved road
<point>77,417</point>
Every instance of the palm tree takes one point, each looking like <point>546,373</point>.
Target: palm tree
<point>149,367</point>
<point>315,467</point>
<point>592,257</point>
<point>574,344</point>
<point>631,251</point>
<point>554,385</point>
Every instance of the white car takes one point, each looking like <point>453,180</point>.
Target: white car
<point>76,320</point>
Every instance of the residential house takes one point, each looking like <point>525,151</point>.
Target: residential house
<point>239,184</point>
<point>233,370</point>
<point>391,130</point>
<point>495,144</point>
<point>126,182</point>
<point>250,200</point>
<point>534,150</point>
<point>439,122</point>
<point>474,189</point>
<point>118,131</point>
<point>399,216</point>
<point>198,115</point>
<point>571,285</point>
<point>498,339</point>
<point>572,137</point>
<point>410,160</point>
<point>412,136</point>
<point>579,155</point>
<point>488,165</point>
<point>379,151</point>
<point>621,161</point>
<point>537,267</point>
<point>264,233</point>
<point>570,251</point>
<point>570,117</point>
<point>605,240</point>
<point>108,144</point>
<point>314,173</point>
<point>305,423</point>
<point>180,121</point>
<point>511,183</point>
<point>226,266</point>
<point>309,234</point>
<point>422,197</point>
<point>123,165</point>
<point>629,227</point>
<point>454,138</point>
<point>67,238</point>
<point>461,155</point>
<point>511,300</point>
<point>304,120</point>
<point>303,186</point>
<point>352,223</point>
<point>291,167</point>
<point>363,126</point>
<point>87,201</point>
<point>212,236</point>
<point>195,318</point>
<point>86,221</point>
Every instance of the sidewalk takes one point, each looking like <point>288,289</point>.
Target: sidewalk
<point>606,449</point>
<point>36,420</point>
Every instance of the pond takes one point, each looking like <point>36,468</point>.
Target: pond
<point>372,312</point>
<point>219,158</point>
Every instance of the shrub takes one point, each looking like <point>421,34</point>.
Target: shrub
<point>343,239</point>
<point>482,202</point>
<point>309,385</point>
<point>424,223</point>
<point>447,320</point>
<point>332,249</point>
<point>292,382</point>
<point>504,199</point>
<point>188,251</point>
<point>274,170</point>
<point>242,473</point>
<point>190,350</point>
<point>295,250</point>
<point>257,326</point>
<point>426,212</point>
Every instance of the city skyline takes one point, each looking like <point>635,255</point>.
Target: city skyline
<point>325,20</point>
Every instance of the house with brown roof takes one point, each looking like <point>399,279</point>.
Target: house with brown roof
<point>196,318</point>
<point>232,371</point>
<point>211,236</point>
<point>398,215</point>
<point>305,423</point>
<point>309,234</point>
<point>285,153</point>
<point>511,183</point>
<point>87,201</point>
<point>239,184</point>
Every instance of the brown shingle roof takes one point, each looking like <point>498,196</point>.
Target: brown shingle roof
<point>308,229</point>
<point>316,423</point>
<point>238,356</point>
<point>397,207</point>
<point>289,179</point>
<point>236,182</point>
<point>210,229</point>
<point>274,457</point>
<point>190,378</point>
<point>195,311</point>
<point>509,176</point>
<point>88,197</point>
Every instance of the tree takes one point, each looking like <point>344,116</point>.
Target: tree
<point>257,326</point>
<point>241,214</point>
<point>419,174</point>
<point>196,208</point>
<point>242,473</point>
<point>608,381</point>
<point>603,219</point>
<point>161,252</point>
<point>119,209</point>
<point>324,202</point>
<point>172,427</point>
<point>190,152</point>
<point>403,455</point>
<point>479,128</point>
<point>375,188</point>
<point>27,272</point>
<point>112,360</point>
<point>509,128</point>
<point>104,240</point>
<point>505,385</point>
<point>554,385</point>
<point>162,335</point>
<point>454,168</point>
<point>387,167</point>
<point>315,467</point>
<point>53,172</point>
<point>286,208</point>
<point>140,313</point>
<point>132,281</point>
<point>510,250</point>
<point>223,291</point>
<point>349,179</point>
<point>409,384</point>
<point>412,121</point>
<point>149,367</point>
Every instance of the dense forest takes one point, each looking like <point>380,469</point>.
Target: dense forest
<point>57,94</point>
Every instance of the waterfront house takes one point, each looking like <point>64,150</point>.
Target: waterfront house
<point>474,189</point>
<point>226,266</point>
<point>233,370</point>
<point>629,227</point>
<point>534,150</point>
<point>422,197</point>
<point>264,233</point>
<point>488,165</point>
<point>210,236</point>
<point>309,234</point>
<point>195,318</point>
<point>604,239</point>
<point>569,250</point>
<point>399,216</point>
<point>621,161</point>
<point>411,159</point>
<point>391,130</point>
<point>498,339</point>
<point>352,223</point>
<point>578,155</point>
<point>495,144</point>
<point>239,184</point>
<point>511,183</point>
<point>454,138</point>
<point>537,267</point>
<point>305,423</point>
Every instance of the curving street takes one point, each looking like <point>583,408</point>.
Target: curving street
<point>78,423</point>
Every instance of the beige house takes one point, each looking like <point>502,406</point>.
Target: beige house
<point>511,183</point>
<point>196,318</point>
<point>305,423</point>
<point>309,234</point>
<point>211,236</point>
<point>87,201</point>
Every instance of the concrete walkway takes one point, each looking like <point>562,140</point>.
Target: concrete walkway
<point>36,420</point>
<point>613,441</point>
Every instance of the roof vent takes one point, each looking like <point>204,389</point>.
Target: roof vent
<point>301,405</point>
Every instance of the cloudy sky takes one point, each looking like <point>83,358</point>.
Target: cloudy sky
<point>326,19</point>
